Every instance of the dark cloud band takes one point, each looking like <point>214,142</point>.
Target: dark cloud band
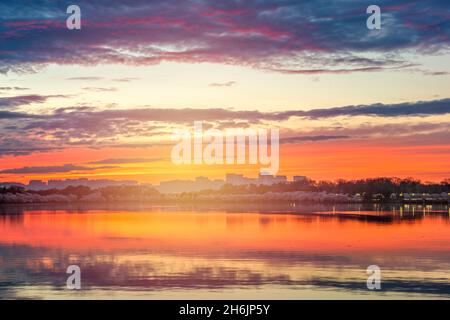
<point>275,35</point>
<point>52,169</point>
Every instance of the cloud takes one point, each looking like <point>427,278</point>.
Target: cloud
<point>340,71</point>
<point>97,89</point>
<point>23,151</point>
<point>16,115</point>
<point>52,169</point>
<point>25,100</point>
<point>114,120</point>
<point>411,133</point>
<point>83,123</point>
<point>282,36</point>
<point>436,73</point>
<point>298,139</point>
<point>98,118</point>
<point>126,161</point>
<point>85,78</point>
<point>24,133</point>
<point>125,79</point>
<point>91,78</point>
<point>13,88</point>
<point>223,84</point>
<point>420,108</point>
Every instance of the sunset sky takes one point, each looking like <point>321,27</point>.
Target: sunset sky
<point>103,101</point>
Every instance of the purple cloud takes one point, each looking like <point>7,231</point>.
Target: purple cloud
<point>126,160</point>
<point>99,89</point>
<point>25,100</point>
<point>52,169</point>
<point>284,36</point>
<point>85,78</point>
<point>222,84</point>
<point>24,133</point>
<point>13,88</point>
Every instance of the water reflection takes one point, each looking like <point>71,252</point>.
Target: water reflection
<point>201,252</point>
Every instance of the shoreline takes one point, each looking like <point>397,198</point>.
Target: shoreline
<point>227,202</point>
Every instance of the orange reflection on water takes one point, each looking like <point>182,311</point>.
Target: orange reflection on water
<point>220,231</point>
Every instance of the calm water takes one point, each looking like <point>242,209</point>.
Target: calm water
<point>239,252</point>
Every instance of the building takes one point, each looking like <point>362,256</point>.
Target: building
<point>238,179</point>
<point>37,185</point>
<point>180,186</point>
<point>269,179</point>
<point>280,179</point>
<point>299,179</point>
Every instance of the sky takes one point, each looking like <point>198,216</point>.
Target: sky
<point>103,101</point>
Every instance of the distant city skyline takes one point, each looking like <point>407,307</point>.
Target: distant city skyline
<point>177,185</point>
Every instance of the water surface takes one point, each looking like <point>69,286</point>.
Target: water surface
<point>225,252</point>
